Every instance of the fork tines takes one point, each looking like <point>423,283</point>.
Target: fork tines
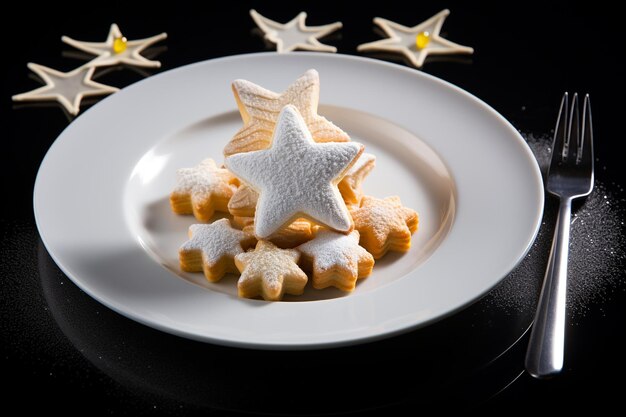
<point>569,128</point>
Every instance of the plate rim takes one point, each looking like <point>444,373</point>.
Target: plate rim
<point>290,345</point>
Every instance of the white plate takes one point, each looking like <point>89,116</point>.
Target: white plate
<point>101,200</point>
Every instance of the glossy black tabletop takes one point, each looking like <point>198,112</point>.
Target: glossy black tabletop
<point>64,352</point>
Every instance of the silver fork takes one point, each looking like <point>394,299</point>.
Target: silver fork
<point>570,176</point>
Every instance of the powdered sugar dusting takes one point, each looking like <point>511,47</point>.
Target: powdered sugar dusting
<point>295,177</point>
<point>331,249</point>
<point>269,261</point>
<point>381,217</point>
<point>204,179</point>
<point>215,240</point>
<point>269,271</point>
<point>597,247</point>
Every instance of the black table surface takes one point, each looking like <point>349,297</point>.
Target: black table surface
<point>70,354</point>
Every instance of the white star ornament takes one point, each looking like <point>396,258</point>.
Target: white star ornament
<point>117,49</point>
<point>416,42</point>
<point>68,88</point>
<point>295,34</point>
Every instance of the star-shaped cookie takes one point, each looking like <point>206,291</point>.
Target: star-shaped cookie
<point>384,224</point>
<point>68,88</point>
<point>296,177</point>
<point>416,42</point>
<point>243,202</point>
<point>336,259</point>
<point>202,190</point>
<point>242,222</point>
<point>290,236</point>
<point>117,49</point>
<point>270,272</point>
<point>295,34</point>
<point>260,108</point>
<point>350,185</point>
<point>212,248</point>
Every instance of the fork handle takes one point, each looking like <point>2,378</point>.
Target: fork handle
<point>544,356</point>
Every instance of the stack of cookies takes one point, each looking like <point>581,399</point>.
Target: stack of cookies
<point>290,201</point>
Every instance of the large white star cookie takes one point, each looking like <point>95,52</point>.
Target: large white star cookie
<point>296,177</point>
<point>416,42</point>
<point>260,107</point>
<point>244,200</point>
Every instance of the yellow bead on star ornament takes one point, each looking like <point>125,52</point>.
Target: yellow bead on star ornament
<point>120,44</point>
<point>422,40</point>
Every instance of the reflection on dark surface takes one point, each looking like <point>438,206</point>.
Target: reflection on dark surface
<point>148,53</point>
<point>400,58</point>
<point>103,71</point>
<point>51,104</point>
<point>267,44</point>
<point>271,46</point>
<point>464,359</point>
